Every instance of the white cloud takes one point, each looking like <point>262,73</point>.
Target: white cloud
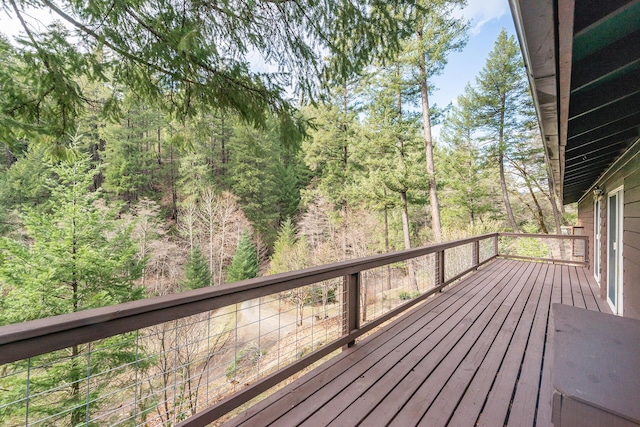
<point>480,12</point>
<point>36,19</point>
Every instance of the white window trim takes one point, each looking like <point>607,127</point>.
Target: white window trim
<point>618,309</point>
<point>597,235</point>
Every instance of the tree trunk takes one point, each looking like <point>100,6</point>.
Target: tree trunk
<point>345,160</point>
<point>386,238</point>
<point>552,200</point>
<point>470,177</point>
<point>428,146</point>
<point>505,195</point>
<point>539,213</point>
<point>407,237</point>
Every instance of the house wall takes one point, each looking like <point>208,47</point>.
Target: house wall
<point>626,172</point>
<point>585,219</point>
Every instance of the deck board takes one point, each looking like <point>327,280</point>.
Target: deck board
<point>350,365</point>
<point>476,354</point>
<point>543,415</point>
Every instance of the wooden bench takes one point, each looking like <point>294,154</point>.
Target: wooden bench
<point>596,369</point>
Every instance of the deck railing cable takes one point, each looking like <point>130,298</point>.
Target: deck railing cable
<point>192,358</point>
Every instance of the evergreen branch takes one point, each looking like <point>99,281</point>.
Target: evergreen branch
<point>112,46</point>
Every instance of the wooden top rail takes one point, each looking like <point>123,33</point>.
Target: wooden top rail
<point>23,340</point>
<point>546,236</point>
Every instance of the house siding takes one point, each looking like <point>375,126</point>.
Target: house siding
<point>629,177</point>
<point>585,219</point>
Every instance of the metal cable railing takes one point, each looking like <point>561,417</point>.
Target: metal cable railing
<point>194,357</point>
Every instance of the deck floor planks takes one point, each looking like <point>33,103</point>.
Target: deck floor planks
<point>567,295</point>
<point>576,289</point>
<point>444,406</point>
<point>587,291</point>
<point>320,393</point>
<point>465,345</point>
<point>471,403</point>
<point>523,408</point>
<point>398,331</point>
<point>385,375</point>
<point>499,399</point>
<point>543,415</point>
<point>428,377</point>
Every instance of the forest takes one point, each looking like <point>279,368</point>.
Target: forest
<point>163,161</point>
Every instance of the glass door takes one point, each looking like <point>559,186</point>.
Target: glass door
<point>614,251</point>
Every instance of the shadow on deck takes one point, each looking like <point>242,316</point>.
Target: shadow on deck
<point>476,354</point>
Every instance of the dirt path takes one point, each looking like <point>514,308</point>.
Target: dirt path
<point>261,319</point>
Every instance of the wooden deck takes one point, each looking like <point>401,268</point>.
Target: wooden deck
<point>477,354</point>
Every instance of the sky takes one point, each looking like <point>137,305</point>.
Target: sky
<point>487,18</point>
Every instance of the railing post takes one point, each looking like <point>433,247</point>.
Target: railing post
<point>586,250</point>
<point>440,268</point>
<point>476,253</point>
<point>495,245</point>
<point>351,307</point>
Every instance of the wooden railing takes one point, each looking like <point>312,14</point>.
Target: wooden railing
<point>26,340</point>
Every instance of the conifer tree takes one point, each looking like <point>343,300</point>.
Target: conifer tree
<point>244,264</point>
<point>292,253</point>
<point>465,174</point>
<point>196,271</point>
<point>75,256</point>
<point>438,32</point>
<point>504,106</point>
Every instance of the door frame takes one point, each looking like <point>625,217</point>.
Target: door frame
<point>616,308</point>
<point>597,236</point>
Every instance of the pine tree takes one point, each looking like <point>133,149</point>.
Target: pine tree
<point>265,177</point>
<point>393,148</point>
<point>244,264</point>
<point>75,256</point>
<point>438,32</point>
<point>289,252</point>
<point>196,271</point>
<point>504,106</point>
<point>292,253</point>
<point>465,174</point>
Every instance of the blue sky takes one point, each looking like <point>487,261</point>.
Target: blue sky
<point>487,17</point>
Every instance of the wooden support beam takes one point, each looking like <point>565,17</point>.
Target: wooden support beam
<point>440,268</point>
<point>476,253</point>
<point>351,305</point>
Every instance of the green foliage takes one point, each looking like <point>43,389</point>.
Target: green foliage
<point>266,177</point>
<point>190,57</point>
<point>405,296</point>
<point>394,152</point>
<point>78,256</point>
<point>196,271</point>
<point>503,103</point>
<point>26,182</point>
<point>133,153</point>
<point>330,151</point>
<point>75,256</point>
<point>439,31</point>
<point>244,264</point>
<point>245,359</point>
<point>289,252</point>
<point>466,177</point>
